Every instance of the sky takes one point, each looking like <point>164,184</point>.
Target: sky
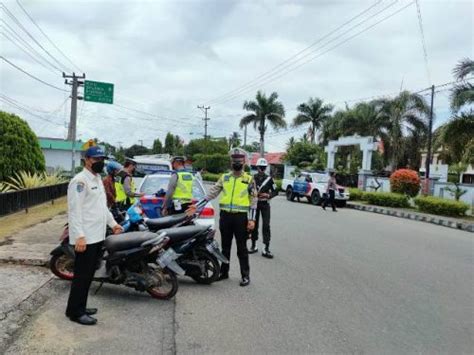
<point>167,57</point>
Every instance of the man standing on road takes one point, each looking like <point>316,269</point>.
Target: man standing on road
<point>330,192</point>
<point>88,217</point>
<point>180,189</point>
<point>266,189</point>
<point>237,217</point>
<point>125,188</point>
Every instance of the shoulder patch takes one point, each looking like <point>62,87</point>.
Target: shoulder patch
<point>80,186</point>
<point>226,177</point>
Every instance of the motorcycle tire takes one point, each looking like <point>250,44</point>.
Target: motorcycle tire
<point>212,262</point>
<point>62,266</point>
<point>156,291</point>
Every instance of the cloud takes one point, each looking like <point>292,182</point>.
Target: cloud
<point>166,57</point>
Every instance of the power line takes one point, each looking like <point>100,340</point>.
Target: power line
<point>30,75</point>
<point>16,36</point>
<point>13,17</point>
<point>297,54</point>
<point>26,52</point>
<point>423,42</point>
<point>269,80</point>
<point>46,36</point>
<point>7,101</point>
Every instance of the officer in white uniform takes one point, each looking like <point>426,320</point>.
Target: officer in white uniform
<point>88,217</point>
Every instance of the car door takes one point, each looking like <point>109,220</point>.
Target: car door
<point>299,185</point>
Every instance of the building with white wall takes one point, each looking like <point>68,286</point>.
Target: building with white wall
<point>58,153</point>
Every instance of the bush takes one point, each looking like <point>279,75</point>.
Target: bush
<point>388,199</point>
<point>213,163</point>
<point>210,177</point>
<point>405,181</point>
<point>278,184</point>
<point>356,195</point>
<point>441,206</point>
<point>19,147</point>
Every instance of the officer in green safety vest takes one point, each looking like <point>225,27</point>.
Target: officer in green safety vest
<point>179,194</point>
<point>237,212</point>
<point>125,186</point>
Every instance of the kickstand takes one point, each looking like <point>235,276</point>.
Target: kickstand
<point>98,288</point>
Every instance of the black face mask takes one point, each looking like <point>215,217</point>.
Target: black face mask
<point>237,166</point>
<point>98,167</point>
<point>261,170</point>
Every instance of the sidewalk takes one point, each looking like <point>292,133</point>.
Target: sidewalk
<point>449,222</point>
<point>31,246</point>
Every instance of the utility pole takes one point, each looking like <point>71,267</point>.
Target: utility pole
<point>430,129</point>
<point>204,109</point>
<point>72,131</point>
<point>141,142</point>
<point>245,135</point>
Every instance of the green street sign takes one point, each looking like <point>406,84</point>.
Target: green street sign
<point>95,91</point>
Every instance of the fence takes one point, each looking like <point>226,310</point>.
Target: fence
<point>18,200</point>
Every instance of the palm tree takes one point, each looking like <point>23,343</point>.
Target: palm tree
<point>463,93</point>
<point>291,143</point>
<point>234,140</point>
<point>407,111</point>
<point>314,112</point>
<point>264,109</point>
<point>456,138</point>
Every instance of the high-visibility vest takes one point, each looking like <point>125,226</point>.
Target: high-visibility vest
<point>184,187</point>
<point>121,196</point>
<point>235,193</point>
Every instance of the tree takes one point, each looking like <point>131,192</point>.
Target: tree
<point>304,154</point>
<point>463,92</point>
<point>234,140</point>
<point>157,146</point>
<point>264,110</point>
<point>314,112</point>
<point>206,147</point>
<point>169,143</point>
<point>19,147</point>
<point>252,148</point>
<point>291,143</point>
<point>406,111</point>
<point>135,150</point>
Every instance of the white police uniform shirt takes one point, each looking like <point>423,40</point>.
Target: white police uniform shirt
<point>88,214</point>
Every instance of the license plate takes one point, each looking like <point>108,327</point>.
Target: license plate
<point>214,245</point>
<point>167,257</point>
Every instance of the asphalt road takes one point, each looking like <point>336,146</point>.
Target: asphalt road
<point>346,282</point>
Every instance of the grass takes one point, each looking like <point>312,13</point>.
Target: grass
<point>15,222</point>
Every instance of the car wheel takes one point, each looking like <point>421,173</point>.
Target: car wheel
<point>315,198</point>
<point>290,196</point>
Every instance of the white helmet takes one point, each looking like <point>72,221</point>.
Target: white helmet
<point>262,162</point>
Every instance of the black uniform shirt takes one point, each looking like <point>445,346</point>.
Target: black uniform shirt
<point>268,188</point>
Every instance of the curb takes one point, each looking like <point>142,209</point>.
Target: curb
<point>12,260</point>
<point>15,318</point>
<point>441,221</point>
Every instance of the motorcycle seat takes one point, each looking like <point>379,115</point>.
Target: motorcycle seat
<point>165,222</point>
<point>181,234</point>
<point>126,241</point>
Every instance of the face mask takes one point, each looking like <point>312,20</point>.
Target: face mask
<point>261,170</point>
<point>98,167</point>
<point>237,166</point>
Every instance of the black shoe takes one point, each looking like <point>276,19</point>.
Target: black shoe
<point>267,253</point>
<point>84,320</point>
<point>324,207</point>
<point>223,277</point>
<point>245,281</point>
<point>334,210</point>
<point>91,311</point>
<point>254,248</point>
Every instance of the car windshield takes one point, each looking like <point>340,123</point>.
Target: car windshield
<point>154,183</point>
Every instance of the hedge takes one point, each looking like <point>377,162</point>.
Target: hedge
<point>388,199</point>
<point>278,184</point>
<point>356,195</point>
<point>441,206</point>
<point>210,177</point>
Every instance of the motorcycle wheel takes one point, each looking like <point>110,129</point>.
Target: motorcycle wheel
<point>167,284</point>
<point>211,265</point>
<point>62,266</point>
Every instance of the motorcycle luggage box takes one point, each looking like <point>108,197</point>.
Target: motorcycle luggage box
<point>126,241</point>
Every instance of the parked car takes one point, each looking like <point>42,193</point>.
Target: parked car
<point>154,186</point>
<point>312,186</point>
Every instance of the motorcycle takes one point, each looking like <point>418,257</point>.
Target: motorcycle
<point>137,260</point>
<point>200,254</point>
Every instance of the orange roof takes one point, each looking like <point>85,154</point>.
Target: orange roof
<point>272,158</point>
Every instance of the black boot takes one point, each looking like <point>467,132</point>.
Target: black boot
<point>253,249</point>
<point>267,253</point>
<point>245,281</point>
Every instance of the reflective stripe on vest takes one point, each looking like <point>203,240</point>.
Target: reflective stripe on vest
<point>121,196</point>
<point>184,187</point>
<point>235,193</point>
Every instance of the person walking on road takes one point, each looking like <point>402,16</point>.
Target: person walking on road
<point>125,188</point>
<point>113,168</point>
<point>88,218</point>
<point>330,192</point>
<point>266,189</point>
<point>180,189</point>
<point>237,217</point>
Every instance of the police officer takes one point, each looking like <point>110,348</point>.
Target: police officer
<point>88,217</point>
<point>237,216</point>
<point>266,189</point>
<point>180,188</point>
<point>125,187</point>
